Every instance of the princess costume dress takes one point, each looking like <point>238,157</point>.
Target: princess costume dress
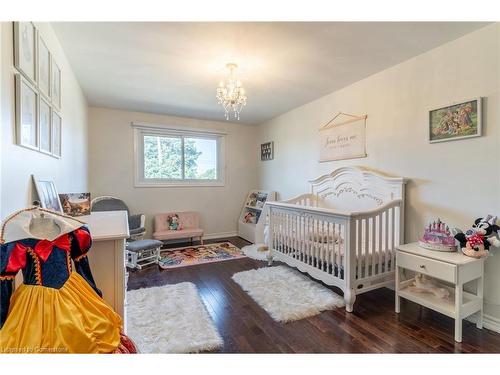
<point>59,308</point>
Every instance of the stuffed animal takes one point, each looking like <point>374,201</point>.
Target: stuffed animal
<point>174,222</point>
<point>476,241</point>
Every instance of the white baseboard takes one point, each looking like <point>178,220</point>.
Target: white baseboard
<point>212,236</point>
<point>489,322</point>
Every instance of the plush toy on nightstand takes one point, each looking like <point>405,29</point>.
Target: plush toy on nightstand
<point>476,241</point>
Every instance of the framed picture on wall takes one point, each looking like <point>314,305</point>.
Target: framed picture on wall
<point>43,67</point>
<point>55,86</point>
<point>456,121</point>
<point>267,151</point>
<point>47,194</point>
<point>25,50</point>
<point>45,124</point>
<point>26,113</point>
<point>56,134</point>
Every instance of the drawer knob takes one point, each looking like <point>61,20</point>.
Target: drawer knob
<point>422,266</point>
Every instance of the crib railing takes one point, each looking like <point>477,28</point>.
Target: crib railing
<point>357,245</point>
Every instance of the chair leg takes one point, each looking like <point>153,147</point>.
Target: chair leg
<point>201,240</point>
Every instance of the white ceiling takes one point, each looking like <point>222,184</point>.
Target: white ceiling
<point>174,68</point>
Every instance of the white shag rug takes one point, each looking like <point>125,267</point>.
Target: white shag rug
<point>170,319</point>
<point>286,294</point>
<point>252,251</point>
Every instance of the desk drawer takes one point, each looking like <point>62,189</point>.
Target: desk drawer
<point>434,268</point>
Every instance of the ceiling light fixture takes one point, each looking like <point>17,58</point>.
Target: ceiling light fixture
<point>231,94</point>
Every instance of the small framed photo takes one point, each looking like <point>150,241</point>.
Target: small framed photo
<point>456,121</point>
<point>44,125</point>
<point>26,113</point>
<point>75,204</point>
<point>47,194</point>
<point>56,134</point>
<point>267,151</point>
<point>55,86</point>
<point>25,50</point>
<point>44,67</point>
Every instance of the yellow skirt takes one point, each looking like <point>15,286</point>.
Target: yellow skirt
<point>72,319</point>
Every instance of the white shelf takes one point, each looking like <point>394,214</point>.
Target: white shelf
<point>248,230</point>
<point>444,306</point>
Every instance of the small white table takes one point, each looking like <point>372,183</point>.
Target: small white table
<point>452,268</point>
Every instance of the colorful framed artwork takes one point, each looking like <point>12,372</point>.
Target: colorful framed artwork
<point>44,126</point>
<point>56,134</point>
<point>44,67</point>
<point>55,86</point>
<point>75,204</point>
<point>456,121</point>
<point>25,50</point>
<point>26,113</point>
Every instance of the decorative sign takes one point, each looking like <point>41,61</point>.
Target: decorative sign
<point>267,151</point>
<point>344,140</point>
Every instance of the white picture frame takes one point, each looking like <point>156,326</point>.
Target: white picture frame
<point>43,67</point>
<point>56,134</point>
<point>25,50</point>
<point>26,113</point>
<point>55,84</point>
<point>465,121</point>
<point>45,126</point>
<point>47,194</point>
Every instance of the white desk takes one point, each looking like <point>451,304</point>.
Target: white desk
<point>109,231</point>
<point>454,269</point>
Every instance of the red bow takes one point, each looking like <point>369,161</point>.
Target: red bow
<point>475,240</point>
<point>44,247</point>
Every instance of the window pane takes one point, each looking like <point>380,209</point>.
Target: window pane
<point>162,157</point>
<point>200,158</point>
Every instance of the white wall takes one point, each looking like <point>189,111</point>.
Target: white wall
<point>111,162</point>
<point>18,163</point>
<point>456,181</point>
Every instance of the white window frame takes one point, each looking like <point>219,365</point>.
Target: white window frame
<point>142,129</point>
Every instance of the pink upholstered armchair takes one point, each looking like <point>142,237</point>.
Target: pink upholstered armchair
<point>189,223</point>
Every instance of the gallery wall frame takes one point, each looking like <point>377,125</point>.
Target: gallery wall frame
<point>25,53</point>
<point>44,67</point>
<point>27,132</point>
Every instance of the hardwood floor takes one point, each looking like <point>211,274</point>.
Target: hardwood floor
<point>373,327</point>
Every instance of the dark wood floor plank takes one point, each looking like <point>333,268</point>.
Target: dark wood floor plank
<point>373,327</point>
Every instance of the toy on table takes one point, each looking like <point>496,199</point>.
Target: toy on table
<point>424,284</point>
<point>437,236</point>
<point>476,241</point>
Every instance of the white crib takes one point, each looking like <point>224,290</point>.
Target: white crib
<point>344,232</point>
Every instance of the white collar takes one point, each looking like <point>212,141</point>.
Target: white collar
<point>17,226</point>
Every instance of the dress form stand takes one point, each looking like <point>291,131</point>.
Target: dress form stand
<point>44,227</point>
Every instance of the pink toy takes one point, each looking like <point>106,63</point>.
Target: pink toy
<point>437,236</point>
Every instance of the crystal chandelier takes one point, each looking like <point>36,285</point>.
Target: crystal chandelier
<point>231,95</point>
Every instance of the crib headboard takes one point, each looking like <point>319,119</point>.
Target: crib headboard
<point>356,189</point>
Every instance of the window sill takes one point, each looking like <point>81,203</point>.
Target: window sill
<point>182,184</point>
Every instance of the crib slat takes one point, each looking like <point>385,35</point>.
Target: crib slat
<point>387,244</point>
<point>359,248</point>
<point>380,248</point>
<point>373,245</point>
<point>394,239</point>
<point>366,245</point>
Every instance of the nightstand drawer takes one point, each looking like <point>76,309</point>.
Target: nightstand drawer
<point>434,268</point>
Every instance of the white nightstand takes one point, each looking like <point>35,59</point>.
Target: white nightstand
<point>454,269</point>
